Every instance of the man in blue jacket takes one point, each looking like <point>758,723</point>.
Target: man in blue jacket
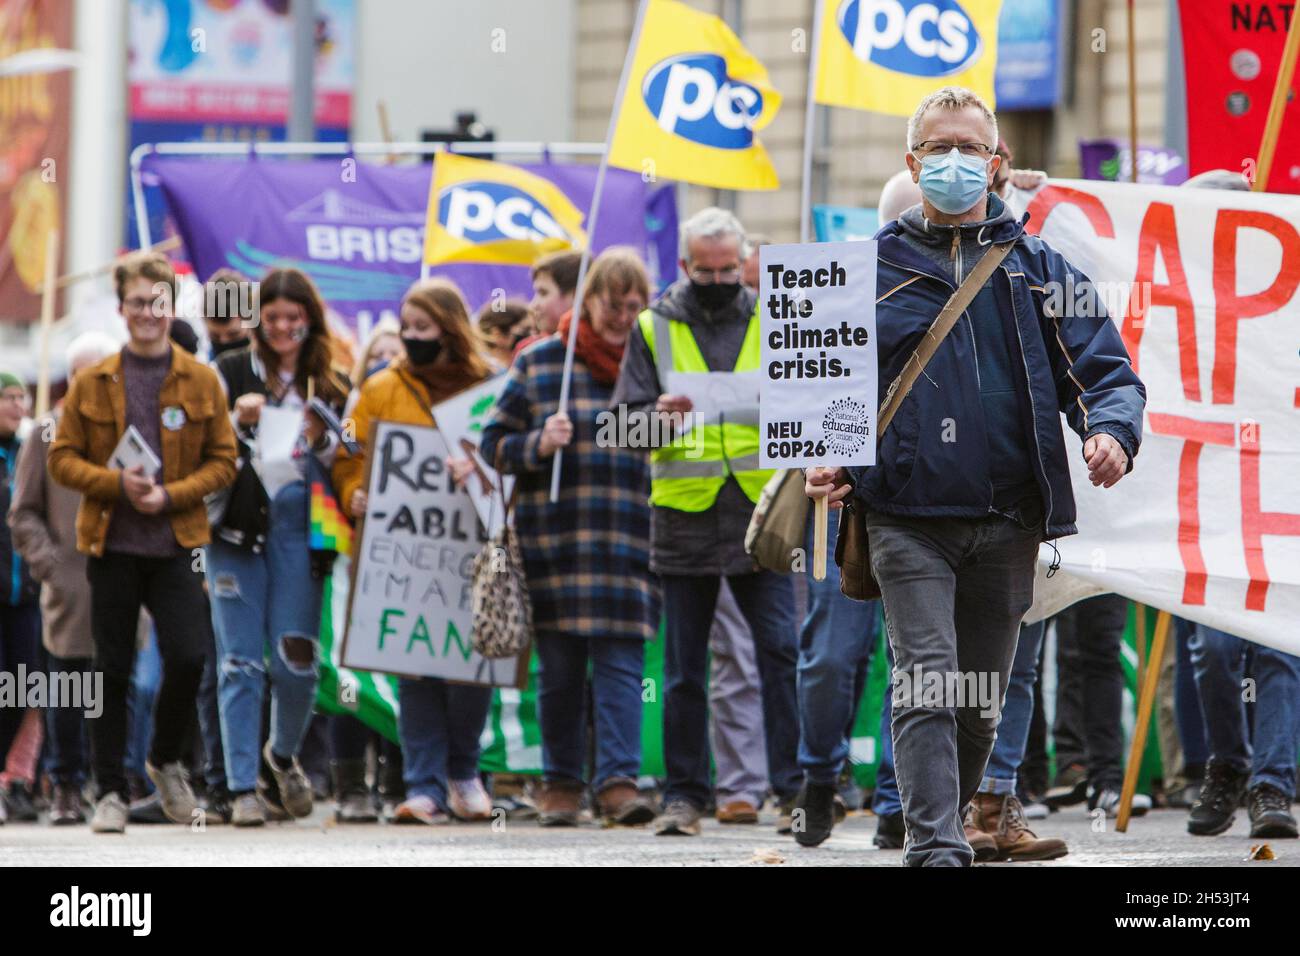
<point>972,474</point>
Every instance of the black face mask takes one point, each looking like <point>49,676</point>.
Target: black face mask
<point>422,351</point>
<point>219,347</point>
<point>715,295</point>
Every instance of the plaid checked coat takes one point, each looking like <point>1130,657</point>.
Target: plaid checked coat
<point>587,557</point>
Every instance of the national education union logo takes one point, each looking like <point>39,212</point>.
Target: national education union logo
<point>846,427</point>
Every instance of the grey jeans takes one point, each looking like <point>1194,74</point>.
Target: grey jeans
<point>736,707</point>
<point>954,591</point>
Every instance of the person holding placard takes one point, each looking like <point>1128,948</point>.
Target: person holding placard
<point>439,722</point>
<point>587,557</point>
<point>702,334</point>
<point>265,590</point>
<point>973,474</point>
<point>142,531</point>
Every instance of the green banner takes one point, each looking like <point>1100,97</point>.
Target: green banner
<point>512,741</point>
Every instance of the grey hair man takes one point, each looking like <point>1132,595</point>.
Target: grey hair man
<point>43,519</point>
<point>703,491</point>
<point>973,473</point>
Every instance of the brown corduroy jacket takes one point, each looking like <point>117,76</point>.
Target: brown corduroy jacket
<point>198,456</point>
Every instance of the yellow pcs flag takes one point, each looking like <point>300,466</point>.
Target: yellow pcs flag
<point>486,212</point>
<point>694,98</point>
<point>888,55</point>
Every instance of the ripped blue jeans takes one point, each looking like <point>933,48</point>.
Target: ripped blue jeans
<point>265,607</point>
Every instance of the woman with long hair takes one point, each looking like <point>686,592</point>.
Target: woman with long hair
<point>382,346</point>
<point>264,587</point>
<point>587,557</point>
<point>440,722</point>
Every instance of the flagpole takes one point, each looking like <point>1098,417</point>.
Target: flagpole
<point>49,290</point>
<point>590,227</point>
<point>821,506</point>
<point>1273,125</point>
<point>1142,726</point>
<point>809,125</point>
<point>1132,96</point>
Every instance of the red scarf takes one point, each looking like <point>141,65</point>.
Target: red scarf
<point>602,357</point>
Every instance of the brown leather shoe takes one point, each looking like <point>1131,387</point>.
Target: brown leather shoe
<point>1002,816</point>
<point>982,842</point>
<point>737,811</point>
<point>558,804</point>
<point>622,805</point>
<point>65,808</point>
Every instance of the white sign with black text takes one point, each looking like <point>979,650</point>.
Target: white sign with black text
<point>411,612</point>
<point>817,306</point>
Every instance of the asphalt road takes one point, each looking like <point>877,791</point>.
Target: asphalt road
<point>1159,839</point>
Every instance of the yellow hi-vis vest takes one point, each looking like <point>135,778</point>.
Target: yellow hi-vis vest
<point>688,474</point>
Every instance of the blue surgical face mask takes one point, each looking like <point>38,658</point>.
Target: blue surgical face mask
<point>953,183</point>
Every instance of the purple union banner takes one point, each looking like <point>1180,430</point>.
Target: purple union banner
<point>358,229</point>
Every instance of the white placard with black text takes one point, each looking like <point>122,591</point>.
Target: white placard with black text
<point>817,308</point>
<point>411,611</point>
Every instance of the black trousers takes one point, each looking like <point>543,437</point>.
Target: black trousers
<point>1090,688</point>
<point>172,591</point>
<point>65,725</point>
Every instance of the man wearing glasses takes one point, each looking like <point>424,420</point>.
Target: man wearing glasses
<point>703,491</point>
<point>973,472</point>
<point>141,530</point>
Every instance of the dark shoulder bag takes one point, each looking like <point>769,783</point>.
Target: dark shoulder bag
<point>852,549</point>
<point>244,515</point>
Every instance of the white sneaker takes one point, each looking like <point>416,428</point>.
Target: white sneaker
<point>295,788</point>
<point>174,792</point>
<point>420,810</point>
<point>247,811</point>
<point>1036,811</point>
<point>469,800</point>
<point>110,815</point>
<point>1108,800</point>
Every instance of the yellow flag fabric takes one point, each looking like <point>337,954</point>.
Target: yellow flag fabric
<point>486,212</point>
<point>694,98</point>
<point>887,55</point>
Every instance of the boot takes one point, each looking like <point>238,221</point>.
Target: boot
<point>980,840</point>
<point>1221,794</point>
<point>559,804</point>
<point>351,795</point>
<point>817,801</point>
<point>65,808</point>
<point>621,804</point>
<point>1001,816</point>
<point>392,791</point>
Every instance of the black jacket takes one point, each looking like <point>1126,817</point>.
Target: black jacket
<point>682,542</point>
<point>244,520</point>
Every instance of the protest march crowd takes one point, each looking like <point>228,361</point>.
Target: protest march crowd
<point>207,702</point>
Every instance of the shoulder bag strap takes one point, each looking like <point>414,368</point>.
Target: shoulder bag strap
<point>935,335</point>
<point>423,400</point>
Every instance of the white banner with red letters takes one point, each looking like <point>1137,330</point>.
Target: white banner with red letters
<point>1203,285</point>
